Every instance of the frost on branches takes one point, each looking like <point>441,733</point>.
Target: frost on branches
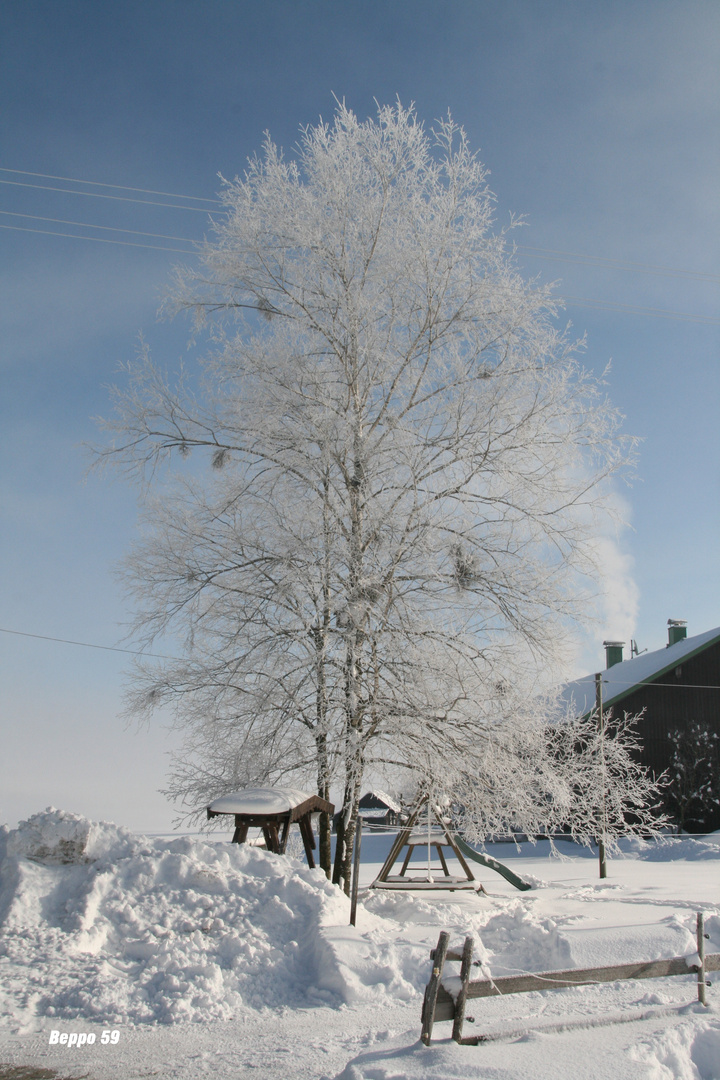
<point>693,794</point>
<point>543,771</point>
<point>397,469</point>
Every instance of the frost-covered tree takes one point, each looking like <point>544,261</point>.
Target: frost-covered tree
<point>398,467</point>
<point>542,771</point>
<point>693,794</point>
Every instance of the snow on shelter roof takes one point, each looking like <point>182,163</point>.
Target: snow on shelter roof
<point>260,801</point>
<point>621,679</point>
<point>383,797</point>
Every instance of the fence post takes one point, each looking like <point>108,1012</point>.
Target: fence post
<point>701,953</point>
<point>467,955</point>
<point>431,990</point>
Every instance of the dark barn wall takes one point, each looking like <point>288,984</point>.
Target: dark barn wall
<point>682,696</point>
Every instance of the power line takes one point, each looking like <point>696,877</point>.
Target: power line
<point>100,195</point>
<point>539,252</point>
<point>105,228</point>
<point>677,686</point>
<point>535,252</point>
<point>97,239</point>
<point>629,309</point>
<point>603,305</point>
<point>549,253</point>
<point>613,264</point>
<point>88,645</point>
<point>648,682</point>
<point>119,187</point>
<point>163,656</point>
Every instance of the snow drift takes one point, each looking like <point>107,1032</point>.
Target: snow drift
<point>99,923</point>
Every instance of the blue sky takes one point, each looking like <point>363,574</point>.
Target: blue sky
<point>598,122</point>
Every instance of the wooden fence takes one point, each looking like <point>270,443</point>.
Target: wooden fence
<point>446,996</point>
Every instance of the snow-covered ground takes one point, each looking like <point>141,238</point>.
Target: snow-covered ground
<point>207,958</point>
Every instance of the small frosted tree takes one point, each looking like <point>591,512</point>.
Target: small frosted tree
<point>613,794</point>
<point>541,771</point>
<point>401,467</point>
<point>692,797</point>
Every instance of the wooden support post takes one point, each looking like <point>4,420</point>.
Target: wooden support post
<point>465,966</point>
<point>438,848</point>
<point>241,831</point>
<point>400,839</point>
<point>403,868</point>
<point>308,839</point>
<point>431,991</point>
<point>453,847</point>
<point>356,871</point>
<point>701,935</point>
<point>284,835</point>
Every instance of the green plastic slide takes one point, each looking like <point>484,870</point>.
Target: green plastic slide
<point>492,864</point>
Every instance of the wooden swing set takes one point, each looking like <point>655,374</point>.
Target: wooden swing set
<point>436,834</point>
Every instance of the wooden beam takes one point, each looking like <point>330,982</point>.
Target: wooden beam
<point>411,848</point>
<point>284,835</point>
<point>446,1002</point>
<point>452,845</point>
<point>557,980</point>
<point>433,987</point>
<point>467,955</point>
<point>313,805</point>
<point>356,872</point>
<point>308,839</point>
<point>400,839</point>
<point>241,831</point>
<point>438,848</point>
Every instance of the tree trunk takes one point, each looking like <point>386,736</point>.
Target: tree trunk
<point>350,831</point>
<point>324,839</point>
<point>355,635</point>
<point>347,825</point>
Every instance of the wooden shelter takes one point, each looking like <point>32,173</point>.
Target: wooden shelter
<point>273,810</point>
<point>436,834</point>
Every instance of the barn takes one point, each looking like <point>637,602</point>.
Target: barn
<point>676,688</point>
<point>378,809</point>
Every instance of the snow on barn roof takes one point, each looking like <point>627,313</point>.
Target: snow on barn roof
<point>383,797</point>
<point>621,679</point>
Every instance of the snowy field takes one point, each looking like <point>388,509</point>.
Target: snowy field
<point>194,958</point>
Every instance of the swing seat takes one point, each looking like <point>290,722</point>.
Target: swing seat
<point>397,881</point>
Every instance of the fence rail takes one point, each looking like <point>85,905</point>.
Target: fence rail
<point>446,996</point>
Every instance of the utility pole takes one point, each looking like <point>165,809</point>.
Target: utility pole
<point>601,722</point>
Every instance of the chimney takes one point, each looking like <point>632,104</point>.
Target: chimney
<point>613,653</point>
<point>677,631</point>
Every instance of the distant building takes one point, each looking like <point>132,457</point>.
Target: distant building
<point>677,686</point>
<point>378,809</point>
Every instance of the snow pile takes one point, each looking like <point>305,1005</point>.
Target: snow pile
<point>675,848</point>
<point>57,836</point>
<point>101,924</point>
<point>136,932</point>
<point>688,1052</point>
